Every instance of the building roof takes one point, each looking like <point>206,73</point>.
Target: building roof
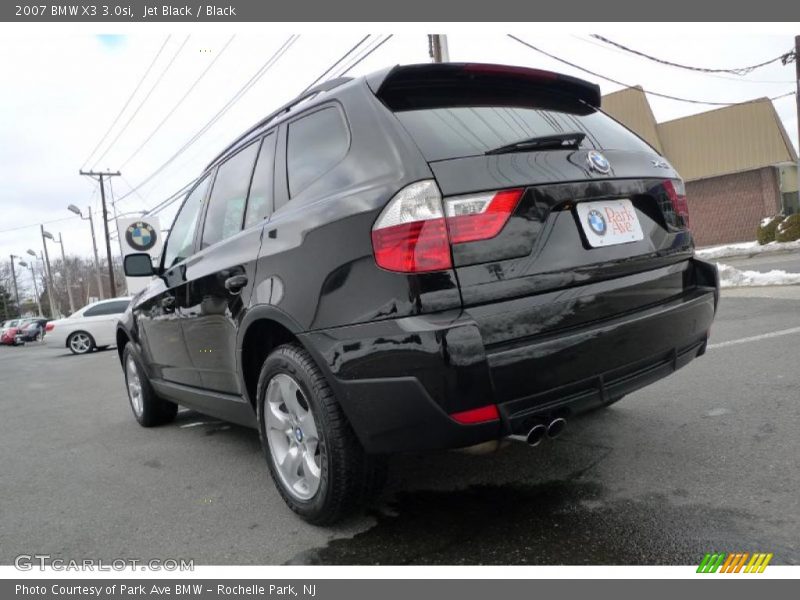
<point>630,107</point>
<point>732,139</point>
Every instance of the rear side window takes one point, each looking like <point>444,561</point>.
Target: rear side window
<point>259,204</point>
<point>452,132</point>
<point>107,308</point>
<point>229,196</point>
<point>315,144</point>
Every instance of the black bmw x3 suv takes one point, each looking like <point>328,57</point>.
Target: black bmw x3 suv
<point>428,257</point>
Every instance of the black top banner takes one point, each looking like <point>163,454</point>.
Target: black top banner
<point>408,10</point>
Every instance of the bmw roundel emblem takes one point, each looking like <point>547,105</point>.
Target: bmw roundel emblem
<point>598,162</point>
<point>140,236</point>
<point>597,222</point>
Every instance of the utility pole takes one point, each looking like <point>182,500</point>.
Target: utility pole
<point>100,175</point>
<point>50,288</point>
<point>77,211</point>
<point>797,100</point>
<point>437,48</point>
<point>35,289</point>
<point>14,277</point>
<point>66,274</point>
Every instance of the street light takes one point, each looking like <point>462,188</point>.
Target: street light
<point>49,273</point>
<point>14,277</point>
<point>77,211</point>
<point>33,276</point>
<point>60,242</point>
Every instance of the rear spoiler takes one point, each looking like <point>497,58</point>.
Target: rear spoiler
<point>440,85</point>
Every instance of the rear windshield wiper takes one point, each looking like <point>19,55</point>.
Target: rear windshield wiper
<point>556,141</point>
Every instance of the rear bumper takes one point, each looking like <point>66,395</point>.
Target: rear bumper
<point>399,380</point>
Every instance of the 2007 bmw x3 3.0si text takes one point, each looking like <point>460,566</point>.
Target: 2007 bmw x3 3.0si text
<point>428,257</point>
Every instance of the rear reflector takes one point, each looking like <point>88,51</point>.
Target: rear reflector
<point>477,415</point>
<point>410,235</point>
<point>480,217</point>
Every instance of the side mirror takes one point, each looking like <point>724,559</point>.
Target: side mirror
<point>138,265</point>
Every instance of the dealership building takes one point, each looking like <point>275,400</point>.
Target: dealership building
<point>738,162</point>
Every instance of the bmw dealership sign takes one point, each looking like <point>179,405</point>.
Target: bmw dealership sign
<point>140,234</point>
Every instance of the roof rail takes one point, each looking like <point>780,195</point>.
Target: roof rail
<point>325,86</point>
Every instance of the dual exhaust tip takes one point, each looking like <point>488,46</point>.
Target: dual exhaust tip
<point>540,431</point>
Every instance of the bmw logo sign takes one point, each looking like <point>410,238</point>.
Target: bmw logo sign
<point>598,162</point>
<point>140,236</point>
<point>597,222</point>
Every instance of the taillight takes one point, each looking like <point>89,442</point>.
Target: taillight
<point>413,233</point>
<point>410,235</point>
<point>676,190</point>
<point>479,216</point>
<point>49,327</point>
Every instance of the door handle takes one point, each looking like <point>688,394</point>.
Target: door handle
<point>235,284</point>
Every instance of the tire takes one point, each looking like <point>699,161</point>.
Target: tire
<point>80,342</point>
<point>148,409</point>
<point>338,476</point>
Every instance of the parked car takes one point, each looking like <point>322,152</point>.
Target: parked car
<point>32,331</point>
<point>10,323</point>
<point>428,257</point>
<point>91,327</point>
<point>8,334</point>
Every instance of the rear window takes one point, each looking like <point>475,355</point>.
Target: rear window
<point>453,132</point>
<point>107,308</point>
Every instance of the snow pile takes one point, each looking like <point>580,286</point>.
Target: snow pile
<point>745,249</point>
<point>733,277</point>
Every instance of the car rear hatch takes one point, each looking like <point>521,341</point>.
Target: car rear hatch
<point>576,169</point>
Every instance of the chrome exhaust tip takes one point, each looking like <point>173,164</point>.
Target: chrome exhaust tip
<point>536,435</point>
<point>556,427</point>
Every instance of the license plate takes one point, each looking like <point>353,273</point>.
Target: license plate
<point>609,222</point>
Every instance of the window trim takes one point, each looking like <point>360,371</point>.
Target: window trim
<point>271,207</point>
<point>198,182</point>
<point>287,126</point>
<point>198,241</point>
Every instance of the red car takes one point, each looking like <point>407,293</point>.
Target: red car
<point>8,336</point>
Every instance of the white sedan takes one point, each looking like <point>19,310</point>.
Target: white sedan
<point>93,326</point>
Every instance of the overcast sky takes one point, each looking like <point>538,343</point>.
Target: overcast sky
<point>61,93</point>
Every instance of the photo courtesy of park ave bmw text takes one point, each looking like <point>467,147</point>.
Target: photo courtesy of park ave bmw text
<point>344,300</point>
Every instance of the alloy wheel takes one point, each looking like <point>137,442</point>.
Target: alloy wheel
<point>80,343</point>
<point>134,386</point>
<point>292,437</point>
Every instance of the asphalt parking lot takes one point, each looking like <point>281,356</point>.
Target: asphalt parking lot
<point>704,460</point>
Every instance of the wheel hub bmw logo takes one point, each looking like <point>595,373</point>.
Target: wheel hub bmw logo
<point>597,222</point>
<point>598,162</point>
<point>140,236</point>
<point>298,434</point>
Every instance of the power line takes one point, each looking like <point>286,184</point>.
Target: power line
<point>177,195</point>
<point>37,224</point>
<point>714,75</point>
<point>144,100</point>
<point>128,183</point>
<point>128,101</point>
<point>784,58</point>
<point>177,105</point>
<point>370,51</point>
<point>616,81</point>
<point>270,62</point>
<point>336,64</point>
